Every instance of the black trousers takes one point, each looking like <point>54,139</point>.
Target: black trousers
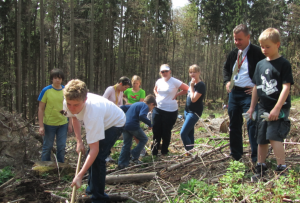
<point>163,122</point>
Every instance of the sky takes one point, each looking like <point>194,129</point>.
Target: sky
<point>179,3</point>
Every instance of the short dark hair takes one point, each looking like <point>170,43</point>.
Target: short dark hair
<point>125,81</point>
<point>241,28</point>
<point>150,99</point>
<point>57,73</point>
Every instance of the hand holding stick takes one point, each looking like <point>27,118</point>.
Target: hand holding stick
<point>77,170</point>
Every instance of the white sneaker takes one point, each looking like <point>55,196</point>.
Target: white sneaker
<point>143,152</point>
<point>109,159</point>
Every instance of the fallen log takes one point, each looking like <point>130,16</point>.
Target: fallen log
<point>182,163</point>
<point>140,177</point>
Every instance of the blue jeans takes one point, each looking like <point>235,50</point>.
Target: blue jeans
<point>127,139</point>
<point>61,138</point>
<point>187,130</point>
<point>239,102</point>
<point>97,171</point>
<point>163,122</point>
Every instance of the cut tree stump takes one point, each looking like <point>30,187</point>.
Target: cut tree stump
<point>139,177</point>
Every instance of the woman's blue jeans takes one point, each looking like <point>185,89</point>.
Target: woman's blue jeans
<point>61,138</point>
<point>127,139</point>
<point>187,130</point>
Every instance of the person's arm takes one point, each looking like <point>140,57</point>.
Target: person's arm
<point>70,129</point>
<point>155,91</point>
<point>254,100</point>
<point>77,131</point>
<point>227,72</point>
<point>184,89</point>
<point>94,150</point>
<point>41,117</point>
<point>143,95</point>
<point>282,98</point>
<point>193,94</point>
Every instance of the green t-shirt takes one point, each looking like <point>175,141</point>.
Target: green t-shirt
<point>53,98</point>
<point>134,96</point>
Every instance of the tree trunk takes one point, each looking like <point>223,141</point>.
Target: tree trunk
<point>91,71</point>
<point>19,63</point>
<point>72,61</point>
<point>42,51</point>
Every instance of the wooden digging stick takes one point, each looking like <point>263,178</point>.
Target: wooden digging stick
<point>77,170</point>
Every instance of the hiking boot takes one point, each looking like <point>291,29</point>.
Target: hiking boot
<point>120,167</point>
<point>260,172</point>
<point>135,161</point>
<point>281,170</point>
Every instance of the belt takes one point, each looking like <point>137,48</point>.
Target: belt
<point>239,88</point>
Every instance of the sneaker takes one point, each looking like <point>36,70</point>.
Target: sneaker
<point>109,159</point>
<point>281,170</point>
<point>143,152</point>
<point>260,172</point>
<point>135,161</point>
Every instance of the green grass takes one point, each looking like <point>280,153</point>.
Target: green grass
<point>295,98</point>
<point>6,174</point>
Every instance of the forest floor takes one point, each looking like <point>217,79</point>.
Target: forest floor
<point>209,175</point>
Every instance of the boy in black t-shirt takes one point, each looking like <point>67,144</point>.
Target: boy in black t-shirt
<point>273,79</point>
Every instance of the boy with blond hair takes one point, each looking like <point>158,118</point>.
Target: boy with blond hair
<point>103,121</point>
<point>273,79</point>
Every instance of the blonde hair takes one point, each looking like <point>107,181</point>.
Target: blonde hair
<point>75,90</point>
<point>136,78</point>
<point>271,34</point>
<point>194,67</point>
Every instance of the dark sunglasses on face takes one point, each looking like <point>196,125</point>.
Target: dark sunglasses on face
<point>164,71</point>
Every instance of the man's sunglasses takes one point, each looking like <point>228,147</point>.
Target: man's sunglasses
<point>164,71</point>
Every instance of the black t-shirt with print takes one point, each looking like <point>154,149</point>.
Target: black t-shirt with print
<point>269,77</point>
<point>198,105</point>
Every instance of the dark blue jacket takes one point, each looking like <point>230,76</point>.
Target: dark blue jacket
<point>134,114</point>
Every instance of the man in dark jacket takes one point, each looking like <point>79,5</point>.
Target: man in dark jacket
<point>237,74</point>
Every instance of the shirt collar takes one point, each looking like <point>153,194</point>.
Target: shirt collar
<point>246,49</point>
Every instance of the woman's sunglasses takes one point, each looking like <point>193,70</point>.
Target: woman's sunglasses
<point>164,71</point>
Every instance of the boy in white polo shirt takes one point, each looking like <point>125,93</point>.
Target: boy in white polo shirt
<point>104,122</point>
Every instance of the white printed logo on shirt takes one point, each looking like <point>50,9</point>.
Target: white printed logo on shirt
<point>268,87</point>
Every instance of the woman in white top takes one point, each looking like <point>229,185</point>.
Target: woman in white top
<point>115,93</point>
<point>165,114</point>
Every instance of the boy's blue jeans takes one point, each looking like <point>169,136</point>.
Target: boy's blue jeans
<point>61,138</point>
<point>187,130</point>
<point>127,139</point>
<point>97,171</point>
<point>239,102</point>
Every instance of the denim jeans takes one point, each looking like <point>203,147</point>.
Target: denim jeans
<point>187,130</point>
<point>163,122</point>
<point>97,171</point>
<point>127,139</point>
<point>239,102</point>
<point>48,140</point>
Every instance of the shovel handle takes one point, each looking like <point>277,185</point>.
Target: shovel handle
<point>77,170</point>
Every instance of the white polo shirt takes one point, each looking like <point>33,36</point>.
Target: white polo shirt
<point>98,115</point>
<point>166,92</point>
